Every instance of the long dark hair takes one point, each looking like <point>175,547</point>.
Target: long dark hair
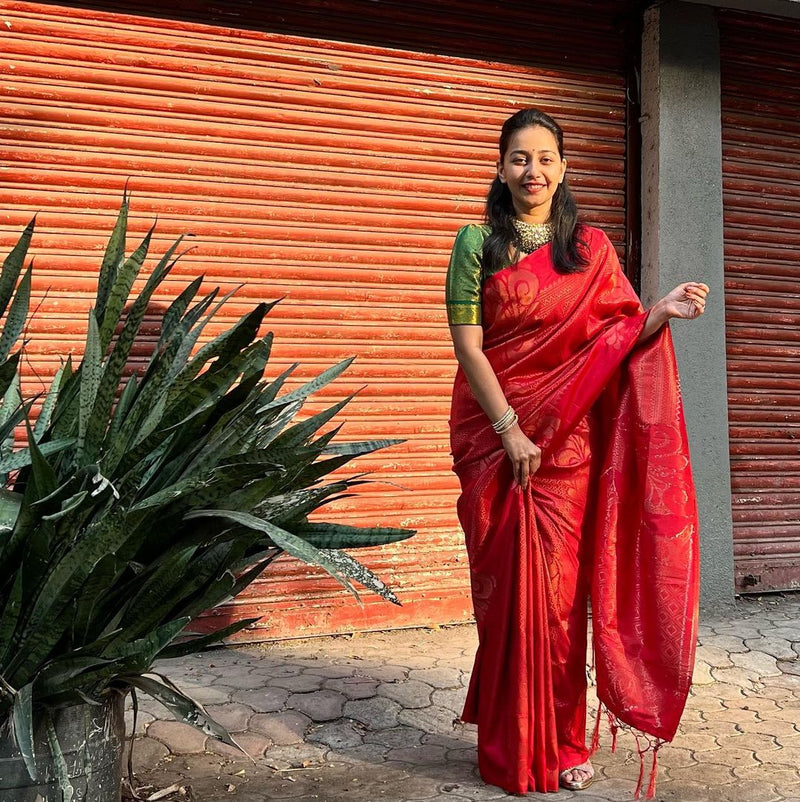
<point>568,257</point>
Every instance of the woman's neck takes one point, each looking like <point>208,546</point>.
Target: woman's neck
<point>538,214</point>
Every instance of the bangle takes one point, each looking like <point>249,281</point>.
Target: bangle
<point>503,419</point>
<point>508,421</point>
<point>510,425</point>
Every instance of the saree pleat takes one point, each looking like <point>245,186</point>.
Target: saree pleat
<point>610,513</point>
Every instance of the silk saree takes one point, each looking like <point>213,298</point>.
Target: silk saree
<point>610,516</point>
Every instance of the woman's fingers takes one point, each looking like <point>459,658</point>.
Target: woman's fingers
<point>695,293</point>
<point>524,474</point>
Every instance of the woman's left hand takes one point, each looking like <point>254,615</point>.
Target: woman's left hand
<point>686,301</point>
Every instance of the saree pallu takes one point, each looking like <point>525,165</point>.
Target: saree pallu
<point>610,514</point>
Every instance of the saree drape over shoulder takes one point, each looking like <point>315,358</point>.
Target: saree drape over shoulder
<point>610,514</point>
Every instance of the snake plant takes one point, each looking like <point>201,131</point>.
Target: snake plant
<point>138,504</point>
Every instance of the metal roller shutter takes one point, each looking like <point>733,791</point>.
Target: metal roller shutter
<point>325,152</point>
<point>761,173</point>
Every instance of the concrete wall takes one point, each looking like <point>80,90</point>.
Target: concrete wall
<point>780,8</point>
<point>683,240</point>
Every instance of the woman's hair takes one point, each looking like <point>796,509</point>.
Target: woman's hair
<point>567,257</point>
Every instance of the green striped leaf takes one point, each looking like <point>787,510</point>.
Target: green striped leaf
<point>112,372</point>
<point>296,546</point>
<point>10,617</point>
<point>9,508</point>
<point>12,266</point>
<point>196,643</point>
<point>301,432</point>
<point>8,375</point>
<point>159,591</point>
<point>326,535</point>
<point>22,458</point>
<point>43,421</point>
<point>182,707</point>
<point>22,721</point>
<point>324,378</point>
<point>120,291</point>
<point>90,382</point>
<point>59,764</point>
<point>357,449</point>
<point>112,258</point>
<point>65,578</point>
<point>17,315</point>
<point>352,568</point>
<point>175,311</point>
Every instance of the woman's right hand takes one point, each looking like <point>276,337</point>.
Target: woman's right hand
<point>525,455</point>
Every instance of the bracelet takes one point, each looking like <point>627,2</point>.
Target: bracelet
<point>506,421</point>
<point>503,419</point>
<point>510,425</point>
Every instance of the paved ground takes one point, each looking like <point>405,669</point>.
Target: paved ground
<point>370,717</point>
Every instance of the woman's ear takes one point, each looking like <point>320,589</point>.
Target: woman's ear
<point>563,170</point>
<point>500,172</point>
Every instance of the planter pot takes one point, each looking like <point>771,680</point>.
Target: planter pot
<point>91,739</point>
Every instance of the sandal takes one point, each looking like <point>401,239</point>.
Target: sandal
<point>575,785</point>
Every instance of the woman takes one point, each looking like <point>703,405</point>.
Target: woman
<point>568,438</point>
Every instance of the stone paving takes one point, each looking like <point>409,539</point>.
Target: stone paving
<point>370,717</point>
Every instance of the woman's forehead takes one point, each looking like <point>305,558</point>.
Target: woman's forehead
<point>532,139</point>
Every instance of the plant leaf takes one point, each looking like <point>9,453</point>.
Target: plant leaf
<point>325,535</point>
<point>357,449</point>
<point>12,266</point>
<point>8,373</point>
<point>113,258</point>
<point>197,643</point>
<point>22,458</point>
<point>10,617</point>
<point>351,567</point>
<point>17,315</point>
<point>22,720</point>
<point>326,377</point>
<point>59,764</point>
<point>90,382</point>
<point>121,289</point>
<point>43,420</point>
<point>296,546</point>
<point>182,706</point>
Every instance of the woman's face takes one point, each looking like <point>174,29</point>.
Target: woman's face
<point>532,170</point>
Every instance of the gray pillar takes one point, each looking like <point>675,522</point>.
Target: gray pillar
<point>682,240</point>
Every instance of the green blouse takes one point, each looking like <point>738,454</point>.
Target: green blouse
<point>463,285</point>
<point>463,288</point>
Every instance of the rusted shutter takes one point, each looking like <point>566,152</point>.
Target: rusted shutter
<point>760,136</point>
<point>325,153</point>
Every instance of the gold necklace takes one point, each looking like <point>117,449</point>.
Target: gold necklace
<point>530,236</point>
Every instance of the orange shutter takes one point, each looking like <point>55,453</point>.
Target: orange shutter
<point>760,136</point>
<point>321,152</point>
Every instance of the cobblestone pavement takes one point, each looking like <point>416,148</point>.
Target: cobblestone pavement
<point>370,717</point>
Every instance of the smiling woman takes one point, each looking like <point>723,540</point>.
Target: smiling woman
<point>532,169</point>
<point>568,439</point>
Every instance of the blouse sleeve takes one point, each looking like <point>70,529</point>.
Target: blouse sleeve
<point>463,286</point>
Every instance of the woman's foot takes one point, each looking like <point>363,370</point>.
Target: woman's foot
<point>577,778</point>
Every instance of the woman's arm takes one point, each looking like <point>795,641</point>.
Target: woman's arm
<point>687,301</point>
<point>524,454</point>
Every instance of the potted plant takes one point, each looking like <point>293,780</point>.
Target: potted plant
<point>131,512</point>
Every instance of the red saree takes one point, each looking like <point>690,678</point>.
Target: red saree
<point>610,514</point>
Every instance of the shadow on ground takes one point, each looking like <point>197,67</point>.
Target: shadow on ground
<point>371,717</point>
